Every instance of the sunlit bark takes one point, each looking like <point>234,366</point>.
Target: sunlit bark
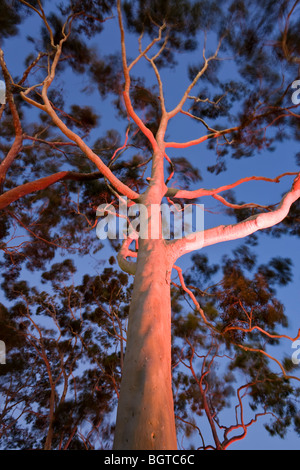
<point>261,221</point>
<point>145,412</point>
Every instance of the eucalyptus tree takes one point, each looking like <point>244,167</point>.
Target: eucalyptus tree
<point>238,111</point>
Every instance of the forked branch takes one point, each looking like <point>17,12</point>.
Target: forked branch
<point>223,233</point>
<point>185,96</point>
<point>48,108</point>
<point>188,194</point>
<point>126,93</point>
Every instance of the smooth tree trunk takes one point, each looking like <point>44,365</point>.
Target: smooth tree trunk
<point>145,417</point>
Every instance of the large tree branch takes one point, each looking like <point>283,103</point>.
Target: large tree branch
<point>145,130</point>
<point>47,107</point>
<point>239,230</point>
<point>42,183</point>
<point>126,95</point>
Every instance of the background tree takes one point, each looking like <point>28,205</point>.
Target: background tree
<point>236,367</point>
<point>235,124</point>
<point>61,379</point>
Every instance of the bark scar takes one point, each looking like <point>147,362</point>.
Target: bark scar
<point>168,276</point>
